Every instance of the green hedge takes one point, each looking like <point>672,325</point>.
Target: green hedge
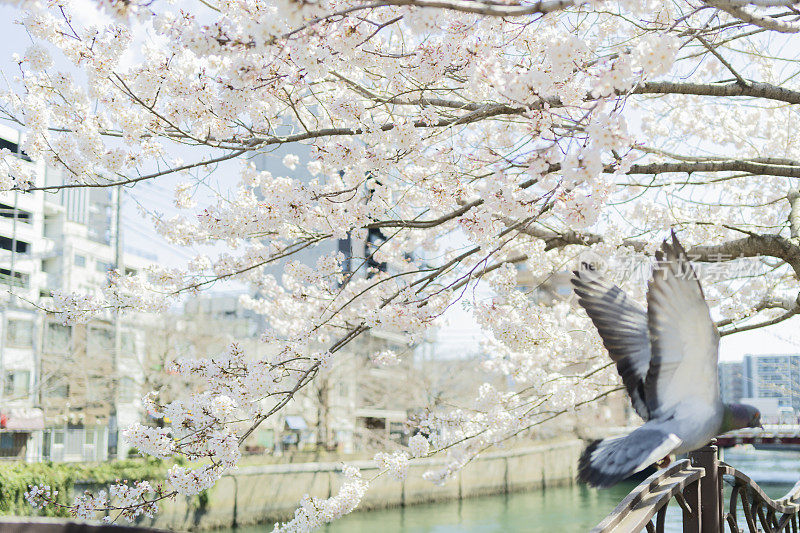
<point>15,478</point>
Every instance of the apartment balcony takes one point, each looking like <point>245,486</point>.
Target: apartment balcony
<point>20,280</point>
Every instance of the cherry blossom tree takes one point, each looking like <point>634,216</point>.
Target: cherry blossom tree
<point>488,138</point>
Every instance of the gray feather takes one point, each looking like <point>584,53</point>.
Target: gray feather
<point>622,324</point>
<point>607,462</point>
<point>684,340</point>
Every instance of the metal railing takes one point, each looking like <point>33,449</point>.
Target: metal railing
<point>696,484</point>
<point>83,444</point>
<point>14,281</point>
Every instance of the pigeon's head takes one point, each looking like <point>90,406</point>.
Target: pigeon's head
<point>741,415</point>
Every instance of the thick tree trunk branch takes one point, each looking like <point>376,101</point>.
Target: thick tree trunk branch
<point>555,240</point>
<point>753,167</point>
<point>751,246</point>
<point>752,89</point>
<point>487,8</point>
<point>477,112</point>
<point>735,10</point>
<point>794,213</point>
<point>761,3</point>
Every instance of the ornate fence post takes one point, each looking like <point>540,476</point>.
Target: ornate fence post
<point>710,488</point>
<point>691,520</point>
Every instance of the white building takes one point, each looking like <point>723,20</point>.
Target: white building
<point>775,376</point>
<point>56,400</point>
<point>731,381</point>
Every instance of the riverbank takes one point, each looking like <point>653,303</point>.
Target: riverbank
<point>264,493</point>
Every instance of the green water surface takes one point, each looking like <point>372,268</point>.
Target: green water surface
<point>570,509</point>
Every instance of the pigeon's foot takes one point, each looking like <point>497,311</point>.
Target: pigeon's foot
<point>663,463</point>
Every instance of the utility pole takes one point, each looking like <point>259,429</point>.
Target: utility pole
<point>13,267</point>
<point>11,279</point>
<point>113,424</point>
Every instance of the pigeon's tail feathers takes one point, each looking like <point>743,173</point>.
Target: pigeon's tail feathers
<point>607,462</point>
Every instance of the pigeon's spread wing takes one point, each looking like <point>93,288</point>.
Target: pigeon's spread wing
<point>622,325</point>
<point>607,462</point>
<point>684,340</point>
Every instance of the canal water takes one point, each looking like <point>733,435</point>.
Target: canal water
<point>569,509</point>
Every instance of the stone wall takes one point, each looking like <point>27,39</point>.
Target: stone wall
<point>271,492</point>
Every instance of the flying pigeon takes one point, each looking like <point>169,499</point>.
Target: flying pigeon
<point>667,358</point>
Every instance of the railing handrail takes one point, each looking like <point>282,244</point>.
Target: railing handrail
<point>696,484</point>
<point>649,497</point>
<point>790,503</point>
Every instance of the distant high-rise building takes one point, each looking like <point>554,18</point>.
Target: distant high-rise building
<point>772,376</point>
<point>731,381</point>
<point>358,253</point>
<point>58,392</point>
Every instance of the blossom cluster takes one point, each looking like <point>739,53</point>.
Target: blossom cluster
<point>123,499</point>
<point>396,464</point>
<point>418,446</point>
<point>315,512</point>
<point>120,293</point>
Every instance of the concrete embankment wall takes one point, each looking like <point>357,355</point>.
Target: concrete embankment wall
<point>264,493</point>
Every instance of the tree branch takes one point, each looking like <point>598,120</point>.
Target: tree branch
<point>733,165</point>
<point>739,329</point>
<point>231,155</point>
<point>722,60</point>
<point>768,23</point>
<point>752,89</point>
<point>493,9</point>
<point>754,245</point>
<point>794,213</point>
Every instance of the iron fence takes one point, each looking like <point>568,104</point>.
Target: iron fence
<point>696,484</point>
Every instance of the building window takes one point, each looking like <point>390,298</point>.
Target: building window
<point>100,392</point>
<point>19,333</point>
<point>80,260</point>
<point>100,341</point>
<point>17,280</point>
<point>7,211</point>
<point>56,388</point>
<point>57,338</point>
<point>20,247</point>
<point>17,384</point>
<point>102,266</point>
<point>14,149</point>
